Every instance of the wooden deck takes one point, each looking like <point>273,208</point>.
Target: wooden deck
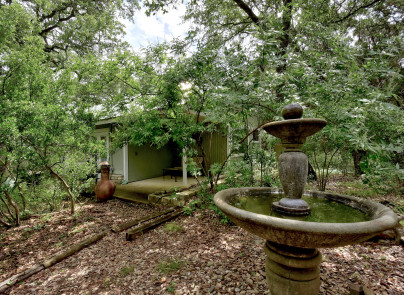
<point>138,191</point>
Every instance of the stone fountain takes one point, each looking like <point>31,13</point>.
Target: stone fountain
<point>293,229</point>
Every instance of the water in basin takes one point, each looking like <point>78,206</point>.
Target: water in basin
<point>322,210</point>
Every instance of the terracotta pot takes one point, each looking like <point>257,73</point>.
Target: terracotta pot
<point>105,187</point>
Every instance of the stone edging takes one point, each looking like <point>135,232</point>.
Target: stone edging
<point>172,199</point>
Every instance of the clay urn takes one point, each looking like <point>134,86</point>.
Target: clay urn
<point>105,187</point>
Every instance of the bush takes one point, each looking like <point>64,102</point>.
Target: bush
<point>383,176</point>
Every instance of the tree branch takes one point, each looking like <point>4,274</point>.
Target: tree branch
<point>10,218</point>
<point>53,13</point>
<point>248,10</point>
<point>352,12</point>
<point>286,23</point>
<point>236,23</point>
<point>127,84</point>
<point>61,20</point>
<point>14,205</point>
<point>65,185</point>
<point>251,132</point>
<point>56,175</point>
<point>6,77</point>
<point>5,223</point>
<point>15,177</point>
<point>54,47</point>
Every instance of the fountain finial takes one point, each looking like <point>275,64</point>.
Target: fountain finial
<point>292,111</point>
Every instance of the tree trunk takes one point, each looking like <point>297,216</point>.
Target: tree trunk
<point>5,223</point>
<point>15,206</point>
<point>312,175</point>
<point>20,277</point>
<point>358,156</point>
<point>251,168</point>
<point>286,24</point>
<point>206,162</point>
<point>24,204</point>
<point>67,188</point>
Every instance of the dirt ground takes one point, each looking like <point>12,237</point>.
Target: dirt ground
<point>192,255</point>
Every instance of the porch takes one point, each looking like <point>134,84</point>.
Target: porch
<point>138,191</point>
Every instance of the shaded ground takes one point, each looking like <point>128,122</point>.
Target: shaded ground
<point>196,255</point>
<point>45,235</point>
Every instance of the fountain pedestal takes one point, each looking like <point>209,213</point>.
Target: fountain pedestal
<point>293,163</point>
<point>292,270</point>
<point>293,167</point>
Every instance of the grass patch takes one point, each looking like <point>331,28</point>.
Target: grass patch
<point>126,270</point>
<point>173,227</point>
<point>400,208</point>
<point>171,287</point>
<point>35,227</point>
<point>192,206</point>
<point>357,188</point>
<point>364,193</point>
<point>107,282</point>
<point>169,265</point>
<point>46,217</point>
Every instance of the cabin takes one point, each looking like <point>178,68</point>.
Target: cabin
<point>136,163</point>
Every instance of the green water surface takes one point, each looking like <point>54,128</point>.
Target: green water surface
<point>322,210</point>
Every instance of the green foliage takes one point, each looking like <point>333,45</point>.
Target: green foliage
<point>61,59</point>
<point>192,206</point>
<point>50,51</point>
<point>322,154</point>
<point>359,189</point>
<point>206,197</point>
<point>193,169</point>
<point>400,209</point>
<point>222,217</point>
<point>169,265</point>
<point>257,168</point>
<point>383,176</point>
<point>342,63</point>
<point>46,217</point>
<point>174,227</point>
<point>237,173</point>
<point>127,270</point>
<point>204,200</point>
<point>107,282</point>
<point>171,287</point>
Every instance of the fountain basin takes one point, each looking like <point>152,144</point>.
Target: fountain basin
<point>304,234</point>
<point>294,131</point>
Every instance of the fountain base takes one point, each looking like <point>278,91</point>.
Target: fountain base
<point>293,207</point>
<point>292,270</point>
